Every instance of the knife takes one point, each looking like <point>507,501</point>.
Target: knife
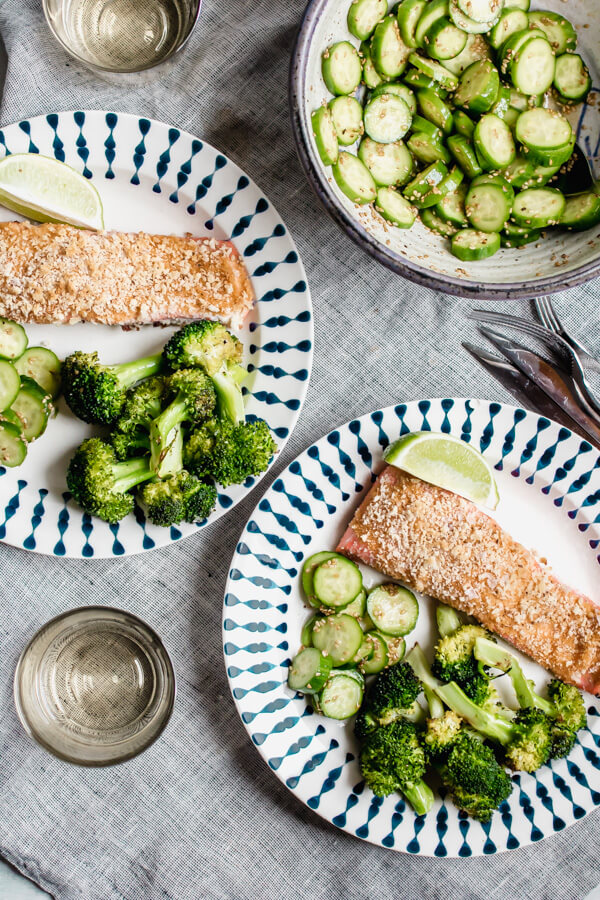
<point>546,380</point>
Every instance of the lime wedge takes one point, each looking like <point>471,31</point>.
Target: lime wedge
<point>47,190</point>
<point>447,462</point>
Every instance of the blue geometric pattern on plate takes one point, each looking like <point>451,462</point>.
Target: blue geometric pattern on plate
<point>309,505</point>
<point>147,173</point>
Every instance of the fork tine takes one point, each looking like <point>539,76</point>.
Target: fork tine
<point>542,311</point>
<point>525,326</point>
<point>551,319</point>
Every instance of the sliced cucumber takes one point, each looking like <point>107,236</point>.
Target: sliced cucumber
<point>342,696</point>
<point>370,76</point>
<point>470,245</point>
<point>309,671</point>
<point>463,124</point>
<point>435,9</point>
<point>394,208</point>
<point>515,236</point>
<point>306,633</point>
<point>32,406</point>
<point>354,179</point>
<point>388,50</point>
<point>494,143</point>
<point>364,16</point>
<point>336,582</point>
<point>532,68</point>
<point>409,13</point>
<point>43,366</point>
<point>10,384</point>
<point>396,648</point>
<point>338,636</point>
<point>433,108</point>
<point>341,68</point>
<point>401,90</point>
<point>519,4</point>
<point>378,659</point>
<point>551,159</point>
<point>387,118</point>
<point>452,207</point>
<point>13,448</point>
<point>572,78</point>
<point>476,49</point>
<point>538,207</point>
<point>543,129</point>
<point>393,609</point>
<point>581,211</point>
<point>358,606</point>
<point>426,127</point>
<point>479,87</point>
<point>415,79</point>
<point>347,117</point>
<point>435,223</point>
<point>481,10</point>
<point>427,149</point>
<point>434,70</point>
<point>559,32</point>
<point>499,181</point>
<point>511,21</point>
<point>519,172</point>
<point>444,40</point>
<point>464,154</point>
<point>308,570</point>
<point>466,23</point>
<point>325,135</point>
<point>424,189</point>
<point>13,339</point>
<point>487,207</point>
<point>7,415</point>
<point>388,163</point>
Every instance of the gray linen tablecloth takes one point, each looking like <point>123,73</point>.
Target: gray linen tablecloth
<point>199,815</point>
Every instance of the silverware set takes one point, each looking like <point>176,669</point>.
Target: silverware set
<point>555,384</point>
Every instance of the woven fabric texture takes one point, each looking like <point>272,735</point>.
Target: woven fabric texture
<point>199,815</point>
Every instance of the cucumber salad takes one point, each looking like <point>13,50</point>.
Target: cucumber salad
<point>448,102</point>
<point>29,382</point>
<point>351,633</point>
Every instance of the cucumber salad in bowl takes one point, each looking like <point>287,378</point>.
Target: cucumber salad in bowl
<point>460,121</point>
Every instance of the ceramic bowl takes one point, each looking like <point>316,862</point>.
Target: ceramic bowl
<point>558,261</point>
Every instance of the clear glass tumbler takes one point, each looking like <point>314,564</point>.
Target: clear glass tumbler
<point>126,41</point>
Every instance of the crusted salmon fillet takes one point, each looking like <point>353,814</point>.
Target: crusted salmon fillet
<point>58,274</point>
<point>443,545</point>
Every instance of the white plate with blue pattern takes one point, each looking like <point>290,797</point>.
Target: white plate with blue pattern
<point>549,483</point>
<point>159,179</point>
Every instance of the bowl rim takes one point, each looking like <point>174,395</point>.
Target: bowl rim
<point>396,262</point>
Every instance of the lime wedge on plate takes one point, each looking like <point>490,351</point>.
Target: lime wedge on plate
<point>447,462</point>
<point>47,190</point>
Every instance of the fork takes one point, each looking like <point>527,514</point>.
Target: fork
<point>566,356</point>
<point>549,318</point>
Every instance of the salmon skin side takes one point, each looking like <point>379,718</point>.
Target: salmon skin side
<point>60,275</point>
<point>442,545</point>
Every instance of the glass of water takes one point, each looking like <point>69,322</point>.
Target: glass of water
<point>126,41</point>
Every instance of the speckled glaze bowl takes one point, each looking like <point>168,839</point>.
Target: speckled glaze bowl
<point>555,263</point>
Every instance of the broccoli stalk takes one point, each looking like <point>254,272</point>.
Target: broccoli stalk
<point>447,619</point>
<point>526,739</point>
<point>213,348</point>
<point>101,484</point>
<point>194,401</point>
<point>97,393</point>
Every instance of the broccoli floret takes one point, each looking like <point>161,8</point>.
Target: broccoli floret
<point>454,661</point>
<point>441,734</point>
<point>565,708</point>
<point>392,759</point>
<point>213,348</point>
<point>477,782</point>
<point>193,399</point>
<point>530,745</point>
<point>229,453</point>
<point>143,403</point>
<point>101,484</point>
<point>97,393</point>
<point>129,444</point>
<point>179,498</point>
<point>393,695</point>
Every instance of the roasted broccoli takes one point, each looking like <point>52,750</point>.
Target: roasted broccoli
<point>454,661</point>
<point>178,498</point>
<point>101,484</point>
<point>447,619</point>
<point>97,393</point>
<point>129,444</point>
<point>392,695</point>
<point>192,400</point>
<point>477,782</point>
<point>229,453</point>
<point>143,403</point>
<point>564,707</point>
<point>392,759</point>
<point>440,735</point>
<point>210,346</point>
<point>526,739</point>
